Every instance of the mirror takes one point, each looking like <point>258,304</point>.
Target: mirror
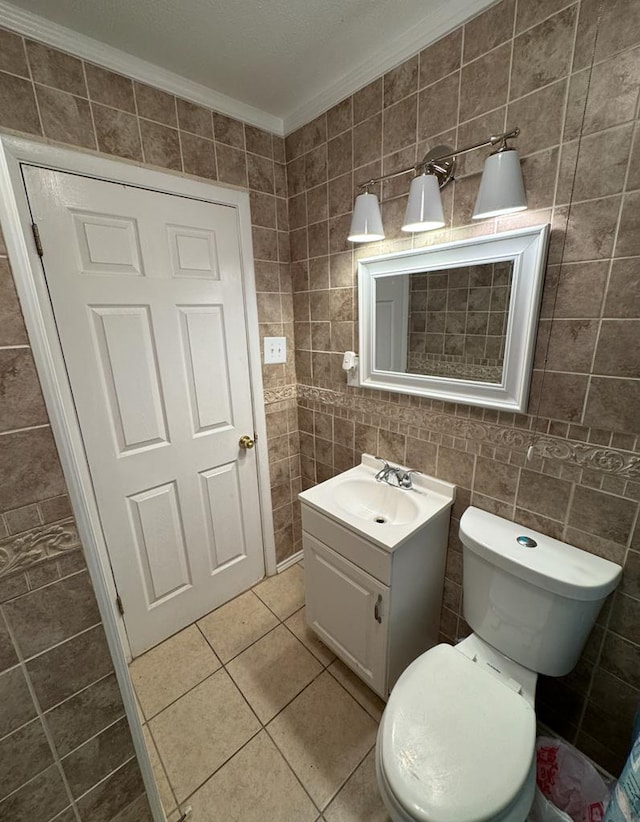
<point>454,321</point>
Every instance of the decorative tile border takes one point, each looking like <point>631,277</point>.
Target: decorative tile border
<point>424,364</point>
<point>610,461</point>
<point>282,392</point>
<point>594,457</point>
<point>24,550</point>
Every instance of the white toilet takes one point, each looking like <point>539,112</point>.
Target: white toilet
<point>457,738</point>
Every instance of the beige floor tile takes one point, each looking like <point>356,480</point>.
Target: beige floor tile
<point>234,626</point>
<point>298,624</point>
<point>166,794</point>
<point>256,785</point>
<point>370,701</point>
<point>283,593</point>
<point>200,731</point>
<point>359,799</point>
<point>272,671</point>
<point>167,671</point>
<point>323,734</point>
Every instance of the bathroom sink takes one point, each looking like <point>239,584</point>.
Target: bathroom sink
<point>384,514</point>
<point>379,503</point>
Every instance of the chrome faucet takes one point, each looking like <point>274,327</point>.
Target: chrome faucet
<point>395,476</point>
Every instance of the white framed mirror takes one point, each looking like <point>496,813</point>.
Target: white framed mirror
<point>456,321</point>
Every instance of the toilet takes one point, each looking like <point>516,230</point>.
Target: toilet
<point>456,742</point>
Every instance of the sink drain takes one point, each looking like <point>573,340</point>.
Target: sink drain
<point>380,520</point>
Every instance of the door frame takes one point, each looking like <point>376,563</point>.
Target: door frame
<point>28,273</point>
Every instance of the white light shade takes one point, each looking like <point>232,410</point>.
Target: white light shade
<point>366,222</point>
<point>424,208</point>
<point>501,187</point>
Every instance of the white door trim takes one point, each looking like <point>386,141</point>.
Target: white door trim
<point>15,220</point>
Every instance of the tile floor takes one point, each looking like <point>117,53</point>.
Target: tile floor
<point>248,716</point>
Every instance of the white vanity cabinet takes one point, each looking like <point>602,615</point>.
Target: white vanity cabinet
<point>375,601</point>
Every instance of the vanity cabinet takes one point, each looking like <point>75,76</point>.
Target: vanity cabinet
<point>377,607</point>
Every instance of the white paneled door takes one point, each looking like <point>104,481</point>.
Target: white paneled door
<point>147,293</point>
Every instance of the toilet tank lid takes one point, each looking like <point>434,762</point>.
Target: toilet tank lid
<point>551,564</point>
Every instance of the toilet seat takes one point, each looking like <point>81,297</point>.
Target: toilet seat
<point>456,744</point>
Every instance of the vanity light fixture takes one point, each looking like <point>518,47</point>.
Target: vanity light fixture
<point>501,189</point>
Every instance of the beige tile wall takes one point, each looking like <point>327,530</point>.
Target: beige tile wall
<point>54,96</point>
<point>527,64</point>
<point>48,94</point>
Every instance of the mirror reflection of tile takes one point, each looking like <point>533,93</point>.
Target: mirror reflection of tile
<point>457,321</point>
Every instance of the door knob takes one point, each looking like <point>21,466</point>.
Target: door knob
<point>246,441</point>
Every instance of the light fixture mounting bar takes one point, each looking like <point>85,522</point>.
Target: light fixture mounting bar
<point>433,161</point>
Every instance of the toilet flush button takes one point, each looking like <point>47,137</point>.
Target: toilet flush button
<point>526,542</point>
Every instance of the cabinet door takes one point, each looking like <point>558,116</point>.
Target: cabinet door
<point>349,610</point>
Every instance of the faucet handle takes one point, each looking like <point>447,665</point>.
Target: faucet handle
<point>382,473</point>
<point>404,478</point>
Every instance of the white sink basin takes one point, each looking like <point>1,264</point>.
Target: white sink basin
<point>377,502</point>
<point>382,513</point>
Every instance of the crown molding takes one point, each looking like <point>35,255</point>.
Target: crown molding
<point>39,28</point>
<point>450,15</point>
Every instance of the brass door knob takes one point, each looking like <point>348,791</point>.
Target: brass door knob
<point>246,441</point>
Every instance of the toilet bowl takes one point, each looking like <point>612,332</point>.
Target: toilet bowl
<point>456,742</point>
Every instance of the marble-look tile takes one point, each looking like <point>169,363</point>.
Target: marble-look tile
<point>169,670</point>
<point>137,811</point>
<point>77,719</point>
<point>228,131</point>
<point>109,88</point>
<point>369,700</point>
<point>12,330</point>
<point>37,801</point>
<point>98,757</point>
<point>298,625</point>
<point>234,626</point>
<point>18,108</point>
<point>113,795</point>
<point>441,58</point>
<point>541,55</point>
<point>198,156</point>
<point>157,105</point>
<point>160,145</point>
<point>21,403</point>
<point>13,57</point>
<point>283,593</point>
<point>360,798</point>
<point>44,617</point>
<point>55,68</point>
<point>195,119</point>
<point>200,731</point>
<point>255,785</point>
<point>323,734</point>
<point>272,671</point>
<point>23,754</point>
<point>117,132</point>
<point>69,667</point>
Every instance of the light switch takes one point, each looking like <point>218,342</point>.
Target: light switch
<point>275,350</point>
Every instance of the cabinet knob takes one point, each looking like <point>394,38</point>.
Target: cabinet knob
<point>377,611</point>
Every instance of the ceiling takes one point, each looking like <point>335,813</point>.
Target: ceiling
<point>286,59</point>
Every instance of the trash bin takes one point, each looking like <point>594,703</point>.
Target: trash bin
<point>569,788</point>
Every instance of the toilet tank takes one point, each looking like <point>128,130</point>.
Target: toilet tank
<point>532,597</point>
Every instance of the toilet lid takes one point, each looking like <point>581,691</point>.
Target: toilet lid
<point>456,742</point>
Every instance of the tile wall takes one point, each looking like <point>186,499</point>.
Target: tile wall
<point>62,734</point>
<point>65,748</point>
<point>571,83</point>
<point>47,94</point>
<point>582,168</point>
